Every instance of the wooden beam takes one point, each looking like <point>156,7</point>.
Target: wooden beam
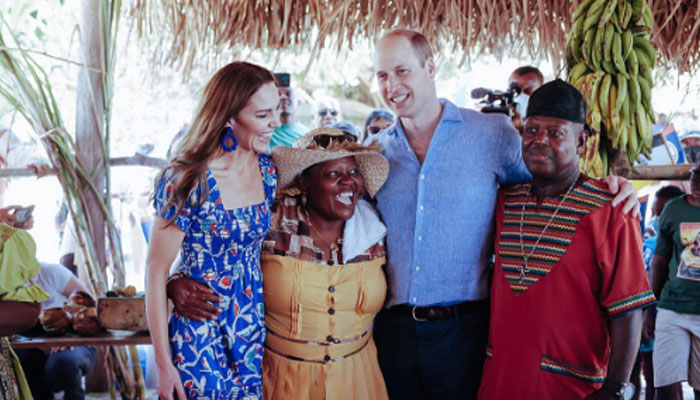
<point>138,160</point>
<point>133,161</point>
<point>679,172</point>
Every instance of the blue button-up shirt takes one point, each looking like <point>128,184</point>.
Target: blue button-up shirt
<point>440,215</point>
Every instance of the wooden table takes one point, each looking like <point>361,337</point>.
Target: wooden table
<point>106,338</point>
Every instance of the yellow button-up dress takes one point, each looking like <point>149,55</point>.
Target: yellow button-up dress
<point>319,329</point>
<point>318,317</point>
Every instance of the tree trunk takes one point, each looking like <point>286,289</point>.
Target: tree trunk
<point>89,123</point>
<point>90,117</point>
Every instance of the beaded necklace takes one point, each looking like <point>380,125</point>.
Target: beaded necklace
<point>524,269</point>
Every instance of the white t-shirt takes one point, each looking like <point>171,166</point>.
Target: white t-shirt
<point>53,278</point>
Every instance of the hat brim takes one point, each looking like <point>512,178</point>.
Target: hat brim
<point>291,162</point>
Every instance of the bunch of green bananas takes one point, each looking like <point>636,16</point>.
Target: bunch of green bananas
<point>610,59</point>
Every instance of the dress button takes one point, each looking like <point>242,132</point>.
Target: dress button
<point>326,358</point>
<point>331,311</point>
<point>331,288</point>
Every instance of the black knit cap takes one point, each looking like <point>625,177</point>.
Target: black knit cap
<point>558,99</point>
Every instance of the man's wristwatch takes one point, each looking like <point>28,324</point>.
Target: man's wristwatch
<point>623,390</point>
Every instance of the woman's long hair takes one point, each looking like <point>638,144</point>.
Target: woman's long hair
<point>225,95</point>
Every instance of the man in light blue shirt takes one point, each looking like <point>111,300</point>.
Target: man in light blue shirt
<point>446,164</point>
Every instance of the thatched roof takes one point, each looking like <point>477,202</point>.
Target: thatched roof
<point>191,31</point>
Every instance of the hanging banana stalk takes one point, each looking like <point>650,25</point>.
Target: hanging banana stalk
<point>611,61</point>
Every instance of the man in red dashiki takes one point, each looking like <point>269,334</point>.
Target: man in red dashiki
<point>569,280</point>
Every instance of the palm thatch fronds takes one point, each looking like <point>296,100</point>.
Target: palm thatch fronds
<point>676,33</point>
<point>192,32</point>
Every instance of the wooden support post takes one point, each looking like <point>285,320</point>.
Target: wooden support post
<point>89,123</point>
<point>89,119</point>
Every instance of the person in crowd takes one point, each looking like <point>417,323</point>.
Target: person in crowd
<point>676,282</point>
<point>326,112</point>
<point>15,317</point>
<point>290,130</point>
<point>348,128</point>
<point>439,210</point>
<point>644,363</point>
<point>691,146</point>
<point>568,283</point>
<point>323,348</point>
<point>319,326</point>
<point>528,78</point>
<point>213,207</point>
<point>20,302</point>
<point>60,369</point>
<point>377,121</point>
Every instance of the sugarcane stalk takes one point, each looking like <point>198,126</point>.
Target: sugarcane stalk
<point>138,373</point>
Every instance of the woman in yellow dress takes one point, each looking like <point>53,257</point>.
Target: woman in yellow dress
<point>323,275</point>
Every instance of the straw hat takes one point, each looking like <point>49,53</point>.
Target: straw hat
<point>292,161</point>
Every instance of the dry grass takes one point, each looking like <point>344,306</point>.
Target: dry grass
<point>192,32</point>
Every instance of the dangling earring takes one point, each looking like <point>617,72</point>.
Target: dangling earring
<point>229,135</point>
<point>303,200</point>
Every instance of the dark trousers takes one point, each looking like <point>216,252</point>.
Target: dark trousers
<point>432,360</point>
<point>60,371</point>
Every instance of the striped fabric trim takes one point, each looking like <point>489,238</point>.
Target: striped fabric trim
<point>583,199</point>
<point>630,303</point>
<point>560,367</point>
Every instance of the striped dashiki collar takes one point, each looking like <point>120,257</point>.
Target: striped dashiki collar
<point>583,199</point>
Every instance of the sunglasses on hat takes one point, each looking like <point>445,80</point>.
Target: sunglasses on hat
<point>325,140</point>
<point>323,113</point>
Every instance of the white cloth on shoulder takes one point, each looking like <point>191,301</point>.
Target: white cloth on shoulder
<point>362,231</point>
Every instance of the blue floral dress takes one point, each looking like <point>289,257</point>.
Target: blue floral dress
<point>221,358</point>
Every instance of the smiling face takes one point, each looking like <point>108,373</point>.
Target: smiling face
<point>406,83</point>
<point>254,125</point>
<point>333,188</point>
<point>551,147</point>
